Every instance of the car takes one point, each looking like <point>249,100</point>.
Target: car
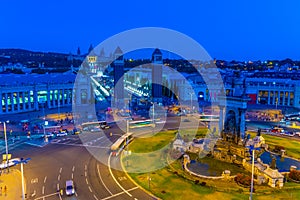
<point>289,133</point>
<point>11,162</point>
<point>70,189</point>
<point>61,133</point>
<point>76,131</point>
<point>49,135</point>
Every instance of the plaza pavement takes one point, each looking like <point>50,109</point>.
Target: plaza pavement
<point>13,183</point>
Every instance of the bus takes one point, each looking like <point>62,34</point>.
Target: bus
<point>90,126</point>
<point>140,123</point>
<point>209,118</point>
<point>121,143</point>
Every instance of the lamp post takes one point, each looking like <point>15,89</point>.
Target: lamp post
<point>191,94</point>
<point>22,161</point>
<point>6,146</point>
<point>252,150</point>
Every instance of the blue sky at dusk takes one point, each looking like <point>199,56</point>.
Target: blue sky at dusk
<point>233,29</point>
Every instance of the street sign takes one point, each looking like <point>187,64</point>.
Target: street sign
<point>4,156</point>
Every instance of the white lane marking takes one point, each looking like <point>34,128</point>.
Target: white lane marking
<point>76,194</point>
<point>85,167</point>
<point>49,195</point>
<point>81,145</point>
<point>90,189</point>
<point>43,190</point>
<point>135,199</point>
<point>60,170</point>
<point>117,194</point>
<point>110,171</point>
<point>103,181</point>
<point>34,180</point>
<point>45,179</point>
<point>86,181</point>
<point>57,186</point>
<point>33,194</point>
<point>96,197</point>
<point>85,174</point>
<point>58,178</point>
<point>73,168</point>
<point>72,176</point>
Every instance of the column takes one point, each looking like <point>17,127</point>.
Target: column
<point>268,97</point>
<point>221,119</point>
<point>274,99</point>
<point>29,103</point>
<point>18,101</point>
<point>48,98</point>
<point>63,96</point>
<point>283,98</point>
<point>1,108</point>
<point>12,102</point>
<point>242,123</point>
<point>289,98</point>
<point>6,102</point>
<point>35,100</point>
<point>23,98</point>
<point>68,97</point>
<point>53,98</point>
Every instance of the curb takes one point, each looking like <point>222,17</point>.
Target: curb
<point>129,177</point>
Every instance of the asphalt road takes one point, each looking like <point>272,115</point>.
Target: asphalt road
<point>85,159</point>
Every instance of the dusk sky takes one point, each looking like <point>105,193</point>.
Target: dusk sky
<point>230,30</point>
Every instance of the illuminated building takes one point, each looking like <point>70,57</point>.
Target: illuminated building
<point>29,92</point>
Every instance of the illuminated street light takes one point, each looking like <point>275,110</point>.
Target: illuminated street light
<point>6,146</point>
<point>22,161</point>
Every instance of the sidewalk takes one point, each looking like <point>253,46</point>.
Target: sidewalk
<point>13,183</point>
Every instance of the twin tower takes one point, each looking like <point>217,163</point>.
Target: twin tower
<point>156,62</point>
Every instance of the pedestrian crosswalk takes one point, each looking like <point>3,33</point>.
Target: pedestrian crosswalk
<point>100,142</point>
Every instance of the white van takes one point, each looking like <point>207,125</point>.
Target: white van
<point>70,190</point>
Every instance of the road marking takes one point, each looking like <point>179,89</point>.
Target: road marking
<point>45,179</point>
<point>96,197</point>
<point>43,190</point>
<point>86,181</point>
<point>49,195</point>
<point>33,194</point>
<point>135,199</point>
<point>90,189</point>
<point>103,181</point>
<point>122,178</point>
<point>85,174</point>
<point>73,168</point>
<point>57,186</point>
<point>85,167</point>
<point>110,171</point>
<point>72,176</point>
<point>58,178</point>
<point>114,195</point>
<point>34,180</point>
<point>60,170</point>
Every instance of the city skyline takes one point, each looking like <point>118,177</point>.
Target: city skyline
<point>227,30</point>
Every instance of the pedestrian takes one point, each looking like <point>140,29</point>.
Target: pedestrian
<point>5,190</point>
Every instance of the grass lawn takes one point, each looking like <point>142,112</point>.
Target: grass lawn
<point>291,146</point>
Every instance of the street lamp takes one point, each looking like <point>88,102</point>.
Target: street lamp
<point>191,94</point>
<point>6,146</point>
<point>22,161</point>
<point>252,151</point>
